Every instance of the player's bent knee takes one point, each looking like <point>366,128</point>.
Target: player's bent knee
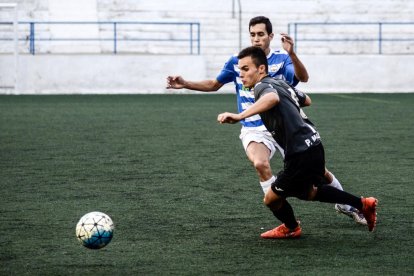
<point>261,165</point>
<point>328,176</point>
<point>267,201</point>
<point>264,200</point>
<point>271,199</point>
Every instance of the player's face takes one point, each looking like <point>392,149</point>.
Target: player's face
<point>249,73</point>
<point>260,38</point>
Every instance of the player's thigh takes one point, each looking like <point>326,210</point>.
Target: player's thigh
<point>258,152</point>
<point>258,144</point>
<point>301,173</point>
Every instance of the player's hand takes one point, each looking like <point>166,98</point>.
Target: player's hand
<point>287,43</point>
<point>228,118</point>
<point>175,82</point>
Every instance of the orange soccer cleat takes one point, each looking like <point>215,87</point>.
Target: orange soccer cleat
<point>282,232</point>
<point>369,205</point>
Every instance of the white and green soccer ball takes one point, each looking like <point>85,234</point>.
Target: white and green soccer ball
<point>95,230</point>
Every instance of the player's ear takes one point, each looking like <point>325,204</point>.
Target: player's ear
<point>262,68</point>
<point>271,35</point>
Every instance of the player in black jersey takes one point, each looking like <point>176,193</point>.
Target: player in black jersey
<point>258,143</point>
<point>304,162</point>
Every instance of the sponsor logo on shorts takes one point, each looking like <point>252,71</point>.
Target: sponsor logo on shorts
<point>278,189</point>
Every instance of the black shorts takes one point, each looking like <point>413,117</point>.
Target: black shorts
<point>301,172</point>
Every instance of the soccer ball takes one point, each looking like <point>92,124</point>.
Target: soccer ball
<point>95,230</point>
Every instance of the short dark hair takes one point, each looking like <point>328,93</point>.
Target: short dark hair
<point>261,19</point>
<point>257,54</point>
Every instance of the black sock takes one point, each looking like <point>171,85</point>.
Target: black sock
<point>330,194</point>
<point>285,214</point>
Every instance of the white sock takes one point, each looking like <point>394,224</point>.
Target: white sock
<point>335,183</point>
<point>266,184</point>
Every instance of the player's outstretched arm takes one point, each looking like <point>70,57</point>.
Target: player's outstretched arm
<point>265,103</point>
<point>178,82</point>
<point>228,118</point>
<point>300,70</point>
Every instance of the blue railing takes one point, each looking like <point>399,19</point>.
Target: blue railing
<point>188,32</point>
<point>313,32</point>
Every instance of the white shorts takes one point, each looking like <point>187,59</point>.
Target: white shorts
<point>260,136</point>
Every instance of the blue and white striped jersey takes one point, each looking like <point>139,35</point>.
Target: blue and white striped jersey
<point>280,67</point>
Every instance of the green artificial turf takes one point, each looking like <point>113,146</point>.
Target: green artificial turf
<point>183,196</point>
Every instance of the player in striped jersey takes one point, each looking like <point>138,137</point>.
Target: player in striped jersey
<point>257,141</point>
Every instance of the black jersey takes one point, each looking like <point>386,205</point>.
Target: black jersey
<point>286,121</point>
